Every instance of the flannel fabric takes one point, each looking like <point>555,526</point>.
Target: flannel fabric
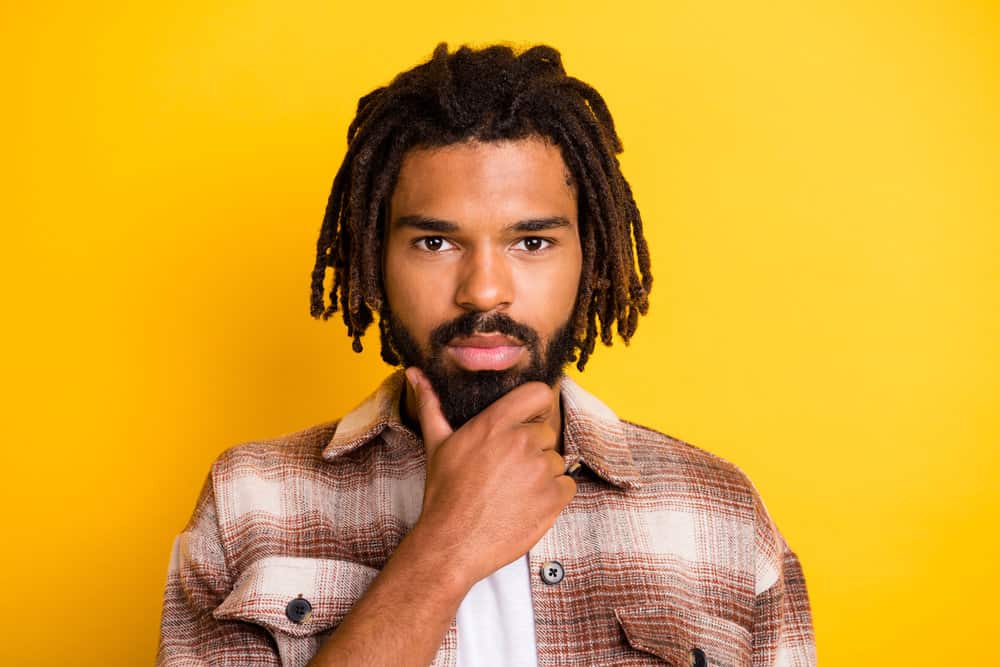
<point>669,554</point>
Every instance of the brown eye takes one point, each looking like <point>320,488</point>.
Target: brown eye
<point>534,244</point>
<point>431,243</point>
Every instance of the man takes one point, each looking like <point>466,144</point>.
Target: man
<point>482,508</point>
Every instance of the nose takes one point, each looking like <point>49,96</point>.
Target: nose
<point>485,281</point>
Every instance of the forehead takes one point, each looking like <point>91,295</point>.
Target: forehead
<point>499,180</point>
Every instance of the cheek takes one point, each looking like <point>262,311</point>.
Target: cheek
<point>549,295</point>
<point>396,277</point>
<point>413,295</point>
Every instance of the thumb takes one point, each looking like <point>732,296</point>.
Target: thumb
<point>434,428</point>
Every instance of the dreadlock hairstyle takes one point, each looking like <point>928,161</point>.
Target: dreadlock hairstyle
<point>490,94</point>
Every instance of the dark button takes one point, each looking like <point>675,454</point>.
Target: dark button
<point>298,610</point>
<point>552,572</point>
<point>697,658</point>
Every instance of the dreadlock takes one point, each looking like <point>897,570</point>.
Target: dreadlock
<point>491,94</point>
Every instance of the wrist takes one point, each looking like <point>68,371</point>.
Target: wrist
<point>429,557</point>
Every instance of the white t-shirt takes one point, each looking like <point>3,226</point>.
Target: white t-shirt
<point>496,623</point>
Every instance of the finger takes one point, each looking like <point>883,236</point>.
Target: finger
<point>567,488</point>
<point>541,435</point>
<point>555,462</point>
<point>527,403</point>
<point>434,428</point>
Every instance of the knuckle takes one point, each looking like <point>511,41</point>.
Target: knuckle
<point>523,440</point>
<point>539,391</point>
<point>553,457</point>
<point>542,438</point>
<point>533,393</point>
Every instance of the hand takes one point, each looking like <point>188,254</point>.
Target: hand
<point>495,485</point>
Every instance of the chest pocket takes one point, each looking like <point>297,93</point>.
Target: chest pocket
<point>300,601</point>
<point>683,637</point>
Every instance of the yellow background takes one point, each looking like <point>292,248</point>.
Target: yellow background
<point>818,182</point>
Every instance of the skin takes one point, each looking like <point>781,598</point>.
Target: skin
<point>482,188</point>
<point>494,485</point>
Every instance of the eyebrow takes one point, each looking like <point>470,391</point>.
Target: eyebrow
<point>427,224</point>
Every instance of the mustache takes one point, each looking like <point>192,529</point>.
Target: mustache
<point>475,323</point>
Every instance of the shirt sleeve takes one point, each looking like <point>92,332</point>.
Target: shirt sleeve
<point>198,580</point>
<point>782,627</point>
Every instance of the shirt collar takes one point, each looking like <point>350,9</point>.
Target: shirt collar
<point>592,432</point>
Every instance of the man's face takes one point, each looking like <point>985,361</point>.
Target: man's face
<point>481,267</point>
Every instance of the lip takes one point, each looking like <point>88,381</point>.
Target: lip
<point>486,341</point>
<point>491,358</point>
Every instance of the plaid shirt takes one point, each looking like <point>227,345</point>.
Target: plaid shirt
<point>668,553</point>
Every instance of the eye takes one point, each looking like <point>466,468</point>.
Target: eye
<point>534,244</point>
<point>431,243</point>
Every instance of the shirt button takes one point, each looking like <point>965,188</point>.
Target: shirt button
<point>697,658</point>
<point>552,572</point>
<point>298,610</point>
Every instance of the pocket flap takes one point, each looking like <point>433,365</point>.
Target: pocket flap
<point>673,632</point>
<point>263,591</point>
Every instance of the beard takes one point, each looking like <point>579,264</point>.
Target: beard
<point>462,393</point>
